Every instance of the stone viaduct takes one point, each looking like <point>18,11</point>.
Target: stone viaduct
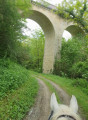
<point>53,27</point>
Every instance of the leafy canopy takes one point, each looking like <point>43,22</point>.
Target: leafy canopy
<point>23,6</point>
<point>76,11</point>
<point>11,24</point>
<point>36,50</point>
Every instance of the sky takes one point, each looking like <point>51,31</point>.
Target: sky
<point>32,25</point>
<point>54,2</point>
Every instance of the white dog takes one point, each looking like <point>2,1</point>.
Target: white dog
<point>63,112</point>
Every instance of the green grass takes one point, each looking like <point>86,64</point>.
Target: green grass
<point>52,89</point>
<point>12,76</point>
<point>19,96</point>
<point>67,85</point>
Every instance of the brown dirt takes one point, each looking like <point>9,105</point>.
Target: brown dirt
<point>41,109</point>
<point>64,97</point>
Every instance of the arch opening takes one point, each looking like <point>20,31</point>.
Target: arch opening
<point>66,35</point>
<point>74,30</point>
<point>42,19</point>
<point>34,41</point>
<point>32,26</point>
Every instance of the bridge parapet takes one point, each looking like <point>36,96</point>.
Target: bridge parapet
<point>45,5</point>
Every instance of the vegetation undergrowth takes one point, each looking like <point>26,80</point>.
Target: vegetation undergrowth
<point>74,58</point>
<point>33,57</point>
<point>17,90</point>
<point>67,85</point>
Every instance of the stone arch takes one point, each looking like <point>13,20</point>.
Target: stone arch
<point>74,30</point>
<point>49,32</point>
<point>43,21</point>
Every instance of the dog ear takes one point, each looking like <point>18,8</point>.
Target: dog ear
<point>74,104</point>
<point>53,103</point>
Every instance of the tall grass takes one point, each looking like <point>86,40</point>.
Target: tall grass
<point>17,90</point>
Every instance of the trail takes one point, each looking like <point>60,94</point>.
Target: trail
<point>41,109</point>
<point>64,97</point>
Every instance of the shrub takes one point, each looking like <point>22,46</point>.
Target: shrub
<point>74,58</point>
<point>82,84</point>
<point>80,70</point>
<point>59,68</point>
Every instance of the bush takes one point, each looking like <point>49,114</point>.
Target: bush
<point>10,27</point>
<point>85,75</point>
<point>59,68</point>
<point>82,83</point>
<point>80,70</point>
<point>74,58</point>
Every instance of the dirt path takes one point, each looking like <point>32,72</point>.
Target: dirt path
<point>41,109</point>
<point>64,97</point>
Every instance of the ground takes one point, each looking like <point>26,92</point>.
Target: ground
<point>41,109</point>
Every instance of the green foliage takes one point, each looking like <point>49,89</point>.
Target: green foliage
<point>22,54</point>
<point>75,11</point>
<point>74,58</point>
<point>82,84</point>
<point>29,52</point>
<point>23,7</point>
<point>10,26</point>
<point>12,76</point>
<point>17,91</point>
<point>80,70</point>
<point>42,3</point>
<point>36,51</point>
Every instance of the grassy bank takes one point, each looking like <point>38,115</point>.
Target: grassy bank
<point>17,91</point>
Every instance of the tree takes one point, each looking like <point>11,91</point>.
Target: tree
<point>76,11</point>
<point>23,7</point>
<point>74,58</point>
<point>10,25</point>
<point>36,45</point>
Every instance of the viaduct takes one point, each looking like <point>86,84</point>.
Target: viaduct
<point>53,27</point>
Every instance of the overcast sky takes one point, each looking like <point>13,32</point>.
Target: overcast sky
<point>54,2</point>
<point>32,25</point>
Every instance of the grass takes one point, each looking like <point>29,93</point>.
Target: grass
<point>67,85</point>
<point>19,96</point>
<point>52,89</point>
